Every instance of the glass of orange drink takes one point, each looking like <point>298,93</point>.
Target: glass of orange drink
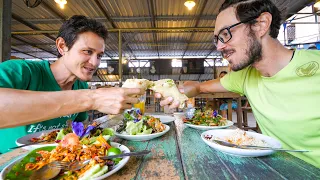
<point>141,104</point>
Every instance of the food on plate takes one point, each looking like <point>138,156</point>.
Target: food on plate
<point>69,150</point>
<point>240,137</point>
<point>86,133</point>
<point>207,117</point>
<point>166,87</point>
<point>134,123</point>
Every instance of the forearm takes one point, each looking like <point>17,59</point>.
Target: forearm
<point>194,88</point>
<point>21,107</point>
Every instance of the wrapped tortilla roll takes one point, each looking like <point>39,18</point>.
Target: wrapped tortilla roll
<point>167,88</point>
<point>137,83</point>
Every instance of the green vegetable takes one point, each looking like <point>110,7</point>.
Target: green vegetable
<point>102,171</point>
<point>94,169</point>
<point>18,170</point>
<point>145,130</point>
<point>134,128</point>
<point>108,131</point>
<point>114,151</point>
<point>60,135</point>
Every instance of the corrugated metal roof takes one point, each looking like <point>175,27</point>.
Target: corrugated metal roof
<point>124,14</point>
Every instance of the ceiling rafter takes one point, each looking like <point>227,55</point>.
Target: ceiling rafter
<point>153,23</point>
<point>196,24</point>
<point>19,39</point>
<point>111,22</point>
<point>18,51</point>
<point>30,25</point>
<point>56,13</point>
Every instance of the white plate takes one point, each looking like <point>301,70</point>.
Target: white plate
<point>165,119</point>
<point>201,127</point>
<point>26,140</point>
<point>223,133</point>
<point>116,168</point>
<point>143,137</point>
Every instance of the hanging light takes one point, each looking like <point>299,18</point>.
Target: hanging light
<point>189,4</point>
<point>317,4</point>
<point>61,3</point>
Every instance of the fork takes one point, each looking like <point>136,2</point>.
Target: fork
<point>76,165</point>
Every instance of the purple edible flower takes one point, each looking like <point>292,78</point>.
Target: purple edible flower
<point>138,111</point>
<point>136,120</point>
<point>78,128</point>
<point>215,113</point>
<point>89,128</point>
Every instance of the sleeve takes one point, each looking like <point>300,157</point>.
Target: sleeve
<point>234,81</point>
<point>14,74</point>
<point>82,116</point>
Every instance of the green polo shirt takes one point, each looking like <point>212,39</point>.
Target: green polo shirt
<point>35,76</point>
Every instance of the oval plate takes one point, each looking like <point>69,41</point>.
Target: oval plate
<point>25,140</point>
<point>143,137</point>
<point>116,168</point>
<point>223,133</point>
<point>201,127</point>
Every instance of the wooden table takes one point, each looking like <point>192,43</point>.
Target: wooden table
<point>229,96</point>
<point>181,154</point>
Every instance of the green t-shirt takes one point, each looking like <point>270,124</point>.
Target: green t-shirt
<point>286,104</point>
<point>35,76</point>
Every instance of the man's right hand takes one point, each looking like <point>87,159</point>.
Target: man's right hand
<point>115,100</point>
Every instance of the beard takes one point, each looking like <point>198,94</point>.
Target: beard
<point>253,52</point>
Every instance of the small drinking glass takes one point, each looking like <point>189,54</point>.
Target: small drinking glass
<point>141,104</point>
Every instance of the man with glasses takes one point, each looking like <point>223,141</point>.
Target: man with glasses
<point>278,82</point>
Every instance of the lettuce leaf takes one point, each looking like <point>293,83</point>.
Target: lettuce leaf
<point>18,170</point>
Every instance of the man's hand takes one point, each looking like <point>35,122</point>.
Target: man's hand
<point>115,100</point>
<point>169,100</point>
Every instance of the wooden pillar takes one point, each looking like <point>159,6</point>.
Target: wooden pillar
<point>5,29</point>
<point>120,58</point>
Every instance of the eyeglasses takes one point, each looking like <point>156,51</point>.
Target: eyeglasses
<point>225,34</point>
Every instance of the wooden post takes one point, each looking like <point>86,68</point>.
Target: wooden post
<point>5,28</point>
<point>120,58</point>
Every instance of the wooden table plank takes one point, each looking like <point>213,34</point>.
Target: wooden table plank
<point>164,162</point>
<point>291,167</point>
<point>197,158</point>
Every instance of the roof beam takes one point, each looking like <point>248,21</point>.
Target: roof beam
<point>126,18</point>
<point>18,51</point>
<point>124,30</point>
<point>111,21</point>
<point>196,25</point>
<point>53,11</point>
<point>19,39</point>
<point>153,23</point>
<point>30,25</point>
<point>164,43</point>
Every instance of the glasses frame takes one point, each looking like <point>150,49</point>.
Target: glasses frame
<point>216,38</point>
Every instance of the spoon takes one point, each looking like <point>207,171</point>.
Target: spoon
<point>224,143</point>
<point>45,173</point>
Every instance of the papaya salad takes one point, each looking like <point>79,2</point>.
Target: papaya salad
<point>87,133</point>
<point>207,117</point>
<point>73,147</point>
<point>134,123</point>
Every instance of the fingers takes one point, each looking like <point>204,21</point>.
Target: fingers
<point>169,101</point>
<point>133,91</point>
<point>157,95</point>
<point>166,101</point>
